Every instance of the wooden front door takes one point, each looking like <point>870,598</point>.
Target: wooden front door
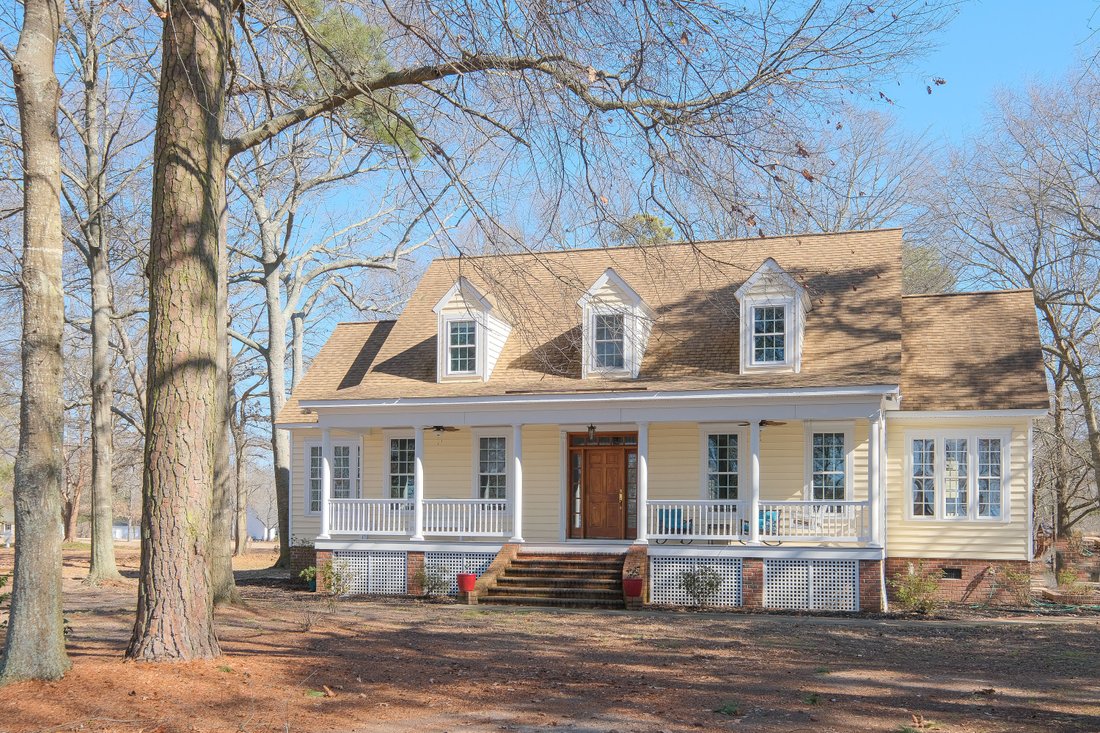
<point>605,493</point>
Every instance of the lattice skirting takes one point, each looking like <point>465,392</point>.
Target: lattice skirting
<point>375,572</point>
<point>453,563</point>
<point>812,585</point>
<point>666,573</point>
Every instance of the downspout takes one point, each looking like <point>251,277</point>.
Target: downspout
<point>884,475</point>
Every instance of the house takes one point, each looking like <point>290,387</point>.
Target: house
<point>774,409</point>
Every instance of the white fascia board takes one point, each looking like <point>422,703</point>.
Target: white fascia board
<point>771,268</point>
<point>468,292</point>
<point>612,278</point>
<point>766,552</point>
<point>893,415</point>
<point>644,398</point>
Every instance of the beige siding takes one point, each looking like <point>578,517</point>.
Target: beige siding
<point>675,453</point>
<point>956,539</point>
<point>543,491</point>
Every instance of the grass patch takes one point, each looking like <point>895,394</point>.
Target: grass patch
<point>225,668</point>
<point>821,670</point>
<point>812,699</point>
<point>314,693</point>
<point>730,708</point>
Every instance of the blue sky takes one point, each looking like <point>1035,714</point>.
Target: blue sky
<point>993,44</point>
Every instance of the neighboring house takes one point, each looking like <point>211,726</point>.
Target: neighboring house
<point>772,408</point>
<point>259,528</point>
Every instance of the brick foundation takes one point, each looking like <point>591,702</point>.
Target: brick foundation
<point>415,566</point>
<point>302,557</point>
<point>979,583</point>
<point>870,586</point>
<point>323,556</point>
<point>752,582</point>
<point>636,565</point>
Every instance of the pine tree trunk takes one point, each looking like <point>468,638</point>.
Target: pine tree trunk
<point>276,383</point>
<point>183,425</point>
<point>35,644</point>
<point>103,565</point>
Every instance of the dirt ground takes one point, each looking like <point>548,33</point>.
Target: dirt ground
<point>292,664</point>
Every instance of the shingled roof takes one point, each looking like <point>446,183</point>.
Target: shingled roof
<point>853,334</point>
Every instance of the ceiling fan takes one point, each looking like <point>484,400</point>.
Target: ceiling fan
<point>437,429</point>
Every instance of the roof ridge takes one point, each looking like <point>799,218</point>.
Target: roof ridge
<point>365,323</point>
<point>1006,291</point>
<point>681,243</point>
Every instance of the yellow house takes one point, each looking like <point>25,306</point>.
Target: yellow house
<point>774,409</point>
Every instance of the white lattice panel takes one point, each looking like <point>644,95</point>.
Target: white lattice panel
<point>787,584</point>
<point>453,563</point>
<point>666,575</point>
<point>375,572</point>
<point>816,585</point>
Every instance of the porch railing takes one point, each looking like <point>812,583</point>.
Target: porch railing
<point>695,520</point>
<point>442,517</point>
<point>371,516</point>
<point>815,521</point>
<point>467,517</point>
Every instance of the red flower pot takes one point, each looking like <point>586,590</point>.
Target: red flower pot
<point>466,582</point>
<point>632,587</point>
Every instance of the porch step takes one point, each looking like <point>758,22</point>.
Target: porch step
<point>590,580</point>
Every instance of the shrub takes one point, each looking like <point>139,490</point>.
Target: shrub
<point>3,584</point>
<point>335,578</point>
<point>433,581</point>
<point>916,590</point>
<point>701,585</point>
<point>1070,586</point>
<point>1016,582</point>
<point>308,575</point>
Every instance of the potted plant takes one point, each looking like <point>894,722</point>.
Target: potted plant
<point>632,583</point>
<point>466,582</point>
<point>309,577</point>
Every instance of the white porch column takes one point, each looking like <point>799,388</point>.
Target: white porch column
<point>326,482</point>
<point>874,433</point>
<point>418,483</point>
<point>517,484</point>
<point>754,481</point>
<point>643,484</point>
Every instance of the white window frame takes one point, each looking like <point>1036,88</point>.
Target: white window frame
<point>387,436</point>
<point>479,344</point>
<point>307,475</point>
<point>744,455</point>
<point>791,338</point>
<point>475,461</point>
<point>355,453</point>
<point>631,356</point>
<point>972,436</point>
<point>848,430</point>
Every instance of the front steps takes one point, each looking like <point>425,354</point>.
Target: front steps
<point>565,580</point>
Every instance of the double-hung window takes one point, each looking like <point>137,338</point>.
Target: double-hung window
<point>461,347</point>
<point>723,464</point>
<point>769,334</point>
<point>957,476</point>
<point>492,468</point>
<point>402,461</point>
<point>828,466</point>
<point>344,472</point>
<point>315,473</point>
<point>610,341</point>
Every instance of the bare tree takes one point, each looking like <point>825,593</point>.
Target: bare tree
<point>35,643</point>
<point>1022,207</point>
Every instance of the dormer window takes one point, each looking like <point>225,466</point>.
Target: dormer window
<point>769,334</point>
<point>610,346</point>
<point>615,323</point>
<point>462,347</point>
<point>471,335</point>
<point>773,315</point>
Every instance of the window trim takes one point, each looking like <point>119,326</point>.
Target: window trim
<point>743,457</point>
<point>387,436</point>
<point>792,337</point>
<point>356,477</point>
<point>754,335</point>
<point>972,435</point>
<point>307,449</point>
<point>475,461</point>
<point>848,429</point>
<point>630,336</point>
<point>479,344</point>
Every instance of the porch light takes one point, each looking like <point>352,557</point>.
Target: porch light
<point>591,432</point>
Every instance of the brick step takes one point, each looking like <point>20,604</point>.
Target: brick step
<point>595,583</point>
<point>550,601</point>
<point>577,556</point>
<point>563,573</point>
<point>542,591</point>
<point>550,563</point>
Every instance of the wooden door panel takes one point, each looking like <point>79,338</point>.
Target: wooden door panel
<point>605,484</point>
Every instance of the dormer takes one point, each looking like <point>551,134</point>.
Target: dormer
<point>470,334</point>
<point>773,318</point>
<point>616,323</point>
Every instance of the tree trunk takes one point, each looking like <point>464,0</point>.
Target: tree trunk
<point>237,426</point>
<point>221,526</point>
<point>276,390</point>
<point>103,565</point>
<point>175,619</point>
<point>35,644</point>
